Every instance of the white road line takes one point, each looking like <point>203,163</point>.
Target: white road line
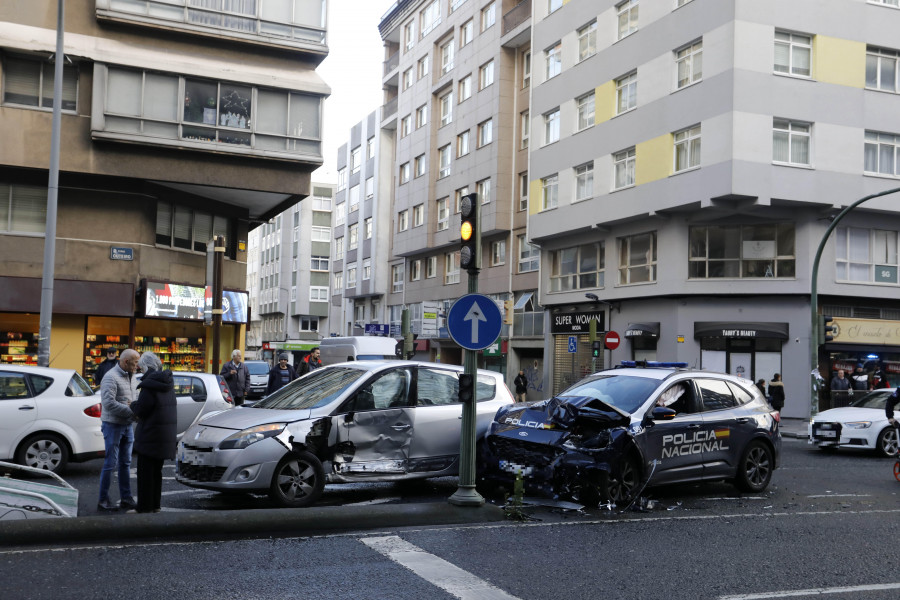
<point>376,501</point>
<point>436,571</point>
<point>190,491</point>
<point>815,592</point>
<point>738,498</point>
<point>840,496</point>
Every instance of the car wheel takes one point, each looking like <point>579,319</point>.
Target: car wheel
<point>755,469</point>
<point>44,451</point>
<point>621,488</point>
<point>887,444</point>
<point>298,480</point>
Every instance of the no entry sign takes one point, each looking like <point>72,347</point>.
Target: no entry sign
<point>611,340</point>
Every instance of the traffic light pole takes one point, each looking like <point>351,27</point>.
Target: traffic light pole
<point>815,376</point>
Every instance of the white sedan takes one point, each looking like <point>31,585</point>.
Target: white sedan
<point>863,424</point>
<point>48,417</point>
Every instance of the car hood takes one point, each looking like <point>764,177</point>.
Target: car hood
<point>562,414</point>
<point>851,413</point>
<point>243,418</point>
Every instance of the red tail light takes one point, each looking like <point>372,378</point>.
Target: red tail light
<point>93,411</point>
<point>226,393</point>
<point>776,415</point>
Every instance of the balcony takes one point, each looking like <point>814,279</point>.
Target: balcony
<point>516,31</point>
<point>391,64</point>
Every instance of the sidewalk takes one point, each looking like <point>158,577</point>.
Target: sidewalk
<point>794,428</point>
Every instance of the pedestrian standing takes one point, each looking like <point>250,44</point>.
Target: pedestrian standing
<point>840,387</point>
<point>104,367</point>
<point>310,363</point>
<point>761,384</point>
<point>521,383</point>
<point>776,392</point>
<point>156,430</point>
<point>280,375</point>
<point>117,391</point>
<point>237,376</point>
<point>860,379</point>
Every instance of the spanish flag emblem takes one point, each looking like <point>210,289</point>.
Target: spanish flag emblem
<point>722,433</point>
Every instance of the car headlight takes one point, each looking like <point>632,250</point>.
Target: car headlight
<point>244,438</point>
<point>858,424</point>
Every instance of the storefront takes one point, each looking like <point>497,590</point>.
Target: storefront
<point>747,349</point>
<point>572,356</point>
<point>872,344</point>
<point>643,338</point>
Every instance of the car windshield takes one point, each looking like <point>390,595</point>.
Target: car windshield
<point>627,393</point>
<point>257,368</point>
<point>872,400</point>
<point>316,389</point>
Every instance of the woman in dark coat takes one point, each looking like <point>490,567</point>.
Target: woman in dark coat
<point>156,430</point>
<point>776,392</point>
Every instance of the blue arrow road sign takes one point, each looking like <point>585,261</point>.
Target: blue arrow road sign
<point>474,322</point>
<point>573,344</point>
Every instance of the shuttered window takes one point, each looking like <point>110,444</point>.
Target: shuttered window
<point>29,82</point>
<point>23,208</point>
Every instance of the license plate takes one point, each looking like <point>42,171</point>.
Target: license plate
<point>190,457</point>
<point>826,434</point>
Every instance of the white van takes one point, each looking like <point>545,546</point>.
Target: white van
<point>341,349</point>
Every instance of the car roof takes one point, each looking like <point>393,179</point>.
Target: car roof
<point>377,365</point>
<point>48,371</point>
<point>661,373</point>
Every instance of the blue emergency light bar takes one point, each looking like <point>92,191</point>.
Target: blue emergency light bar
<point>654,363</point>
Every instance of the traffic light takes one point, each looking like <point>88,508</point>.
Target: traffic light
<point>469,233</point>
<point>508,312</point>
<point>826,330</point>
<point>466,387</point>
<point>596,347</point>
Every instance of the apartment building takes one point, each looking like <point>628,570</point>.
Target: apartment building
<point>457,82</point>
<point>180,121</point>
<point>700,149</point>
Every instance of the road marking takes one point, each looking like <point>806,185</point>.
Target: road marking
<point>840,496</point>
<point>376,501</point>
<point>201,494</point>
<point>436,571</point>
<point>815,592</point>
<point>739,498</point>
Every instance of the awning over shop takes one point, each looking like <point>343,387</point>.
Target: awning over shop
<point>642,330</point>
<point>738,329</point>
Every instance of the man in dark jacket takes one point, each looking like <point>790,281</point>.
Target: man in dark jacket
<point>889,405</point>
<point>106,365</point>
<point>156,430</point>
<point>237,376</point>
<point>310,363</point>
<point>280,375</point>
<point>521,383</point>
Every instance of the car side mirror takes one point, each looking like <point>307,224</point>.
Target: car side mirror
<point>661,413</point>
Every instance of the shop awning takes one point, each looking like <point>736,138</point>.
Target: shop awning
<point>740,329</point>
<point>642,330</point>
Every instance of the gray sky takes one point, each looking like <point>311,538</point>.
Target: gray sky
<point>353,69</point>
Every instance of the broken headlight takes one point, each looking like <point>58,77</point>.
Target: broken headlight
<point>592,441</point>
<point>242,439</point>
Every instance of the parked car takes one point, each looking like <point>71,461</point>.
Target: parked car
<point>259,378</point>
<point>350,422</point>
<point>863,424</point>
<point>48,417</point>
<point>607,436</point>
<point>198,395</point>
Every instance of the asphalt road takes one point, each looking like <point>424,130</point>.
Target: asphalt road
<point>829,524</point>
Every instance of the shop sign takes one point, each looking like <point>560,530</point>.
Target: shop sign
<point>175,301</point>
<point>121,253</point>
<point>866,331</point>
<point>574,322</point>
<point>493,350</point>
<point>298,346</point>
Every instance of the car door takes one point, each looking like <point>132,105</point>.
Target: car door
<point>726,426</point>
<point>674,442</point>
<point>190,393</point>
<point>378,424</point>
<point>18,410</point>
<point>438,419</point>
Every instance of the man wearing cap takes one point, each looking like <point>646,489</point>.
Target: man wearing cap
<point>106,365</point>
<point>280,375</point>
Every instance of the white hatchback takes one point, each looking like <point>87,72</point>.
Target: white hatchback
<point>48,417</point>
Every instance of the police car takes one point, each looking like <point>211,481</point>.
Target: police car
<point>617,431</point>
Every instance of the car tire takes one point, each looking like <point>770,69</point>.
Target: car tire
<point>755,469</point>
<point>621,489</point>
<point>298,480</point>
<point>887,442</point>
<point>45,451</point>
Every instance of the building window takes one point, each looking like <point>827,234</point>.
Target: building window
<point>29,82</point>
<point>353,236</point>
<point>311,323</point>
<point>584,108</point>
<point>679,3</point>
<point>403,220</point>
<point>587,41</point>
<point>687,149</point>
<point>367,228</point>
<point>404,172</point>
<point>409,35</point>
<point>23,209</point>
<point>485,133</point>
<point>553,60</point>
<point>465,88</point>
<point>742,251</point>
<point>407,78</point>
<point>430,267</point>
<point>689,64</point>
<point>339,248</point>
<point>446,102</point>
<point>881,69</point>
<point>418,215</point>
<point>451,268</point>
<point>627,13</point>
<point>554,5</point>
<point>483,189</point>
<point>370,148</point>
<point>342,178</point>
<point>551,127</point>
<point>318,263</point>
<point>338,286</point>
<point>525,128</point>
<point>447,57</point>
<point>415,270</point>
<point>624,169</point>
<point>577,268</point>
<point>177,226</point>
<point>397,278</point>
<point>421,116</point>
<point>367,269</point>
<point>486,75</point>
<point>498,253</point>
<point>626,93</point>
<point>866,255</point>
<point>458,196</point>
<point>430,17</point>
<point>526,69</point>
<point>882,153</point>
<point>488,16</point>
<point>444,161</point>
<point>523,191</point>
<point>637,258</point>
<point>790,142</point>
<point>443,213</point>
<point>793,53</point>
<point>370,187</point>
<point>584,181</point>
<point>351,277</point>
<point>423,66</point>
<point>466,33</point>
<point>549,192</point>
<point>318,293</point>
<point>462,143</point>
<point>529,256</point>
<point>419,165</point>
<point>405,126</point>
<point>354,198</point>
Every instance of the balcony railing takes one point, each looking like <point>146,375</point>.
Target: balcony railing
<point>392,63</point>
<point>520,13</point>
<point>389,109</point>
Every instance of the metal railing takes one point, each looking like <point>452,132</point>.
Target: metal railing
<point>388,109</point>
<point>392,63</point>
<point>520,13</point>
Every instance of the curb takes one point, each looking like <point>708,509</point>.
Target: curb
<point>255,523</point>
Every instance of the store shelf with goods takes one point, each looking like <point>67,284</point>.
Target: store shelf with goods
<point>177,354</point>
<point>18,348</point>
<point>95,350</point>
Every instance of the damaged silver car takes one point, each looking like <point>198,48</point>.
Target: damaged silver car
<point>351,422</point>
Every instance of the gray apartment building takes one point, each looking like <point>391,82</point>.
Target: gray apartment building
<point>457,84</point>
<point>687,157</point>
<point>181,121</point>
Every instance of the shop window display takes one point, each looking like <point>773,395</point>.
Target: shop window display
<point>176,353</point>
<point>95,351</point>
<point>18,348</point>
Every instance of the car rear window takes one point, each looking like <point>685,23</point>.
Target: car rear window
<point>39,383</point>
<point>77,387</point>
<point>189,386</point>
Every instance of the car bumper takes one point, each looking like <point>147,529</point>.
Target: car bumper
<point>200,465</point>
<point>835,434</point>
